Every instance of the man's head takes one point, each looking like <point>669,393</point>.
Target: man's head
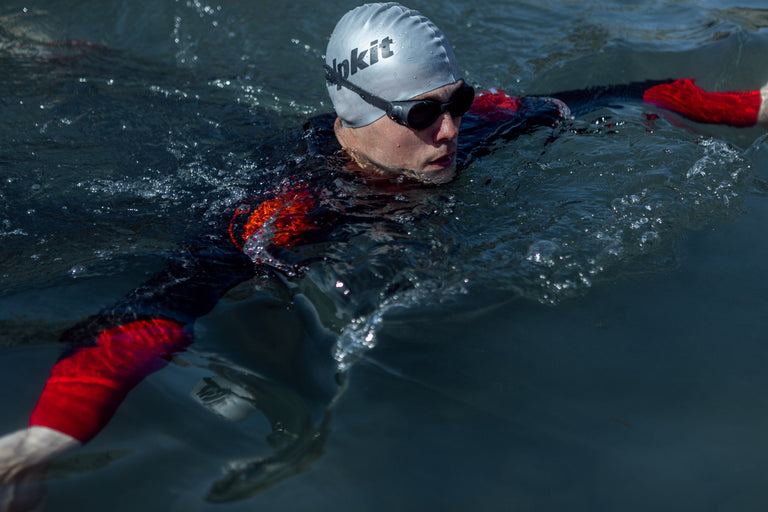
<point>382,54</point>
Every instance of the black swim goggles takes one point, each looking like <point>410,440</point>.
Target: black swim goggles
<point>416,114</point>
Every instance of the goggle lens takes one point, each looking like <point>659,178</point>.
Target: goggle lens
<point>422,114</point>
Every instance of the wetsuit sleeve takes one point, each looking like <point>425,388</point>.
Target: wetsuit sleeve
<point>683,97</point>
<point>739,109</point>
<point>85,388</point>
<point>113,351</point>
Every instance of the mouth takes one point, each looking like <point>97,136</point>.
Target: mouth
<point>444,161</point>
<point>440,170</point>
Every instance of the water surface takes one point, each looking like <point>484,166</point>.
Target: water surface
<point>582,326</point>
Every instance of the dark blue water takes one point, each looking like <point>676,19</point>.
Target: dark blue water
<point>583,322</point>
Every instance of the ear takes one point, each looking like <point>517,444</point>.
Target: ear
<point>345,135</point>
<point>349,140</point>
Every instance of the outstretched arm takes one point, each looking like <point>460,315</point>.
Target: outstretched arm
<point>740,109</point>
<point>497,115</point>
<point>684,97</point>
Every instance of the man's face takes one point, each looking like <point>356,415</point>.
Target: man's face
<point>427,155</point>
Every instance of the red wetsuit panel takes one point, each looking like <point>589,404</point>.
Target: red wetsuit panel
<point>494,105</point>
<point>85,388</point>
<point>683,97</point>
<point>280,221</point>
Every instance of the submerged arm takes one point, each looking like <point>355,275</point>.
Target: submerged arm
<point>111,353</point>
<point>114,350</point>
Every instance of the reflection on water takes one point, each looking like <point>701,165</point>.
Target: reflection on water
<point>234,394</point>
<point>121,138</point>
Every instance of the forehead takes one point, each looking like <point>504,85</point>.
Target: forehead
<point>443,93</point>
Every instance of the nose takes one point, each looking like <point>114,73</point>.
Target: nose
<point>447,127</point>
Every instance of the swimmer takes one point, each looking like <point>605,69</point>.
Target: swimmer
<point>400,104</point>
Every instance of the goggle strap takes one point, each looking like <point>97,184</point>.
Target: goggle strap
<point>335,77</point>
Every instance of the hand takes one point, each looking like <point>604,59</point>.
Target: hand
<point>762,117</point>
<point>24,459</point>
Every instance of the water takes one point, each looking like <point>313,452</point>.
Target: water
<point>578,322</point>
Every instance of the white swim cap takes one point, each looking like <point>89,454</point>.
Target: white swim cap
<point>390,51</point>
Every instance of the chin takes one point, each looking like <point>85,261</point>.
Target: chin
<point>437,176</point>
<point>434,175</point>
